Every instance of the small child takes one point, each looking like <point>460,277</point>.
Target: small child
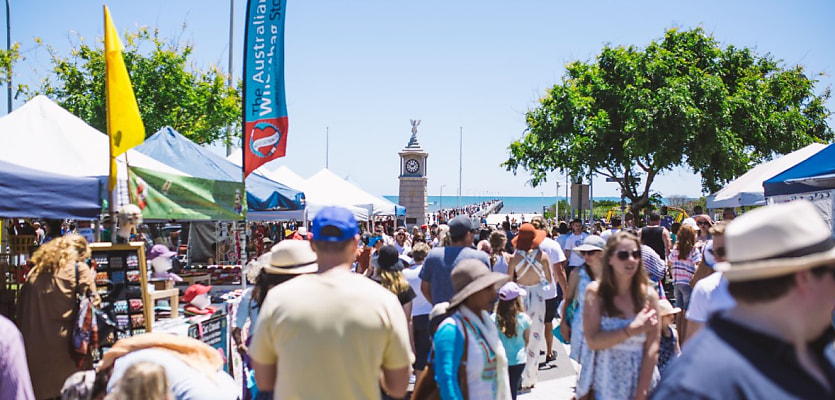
<point>669,348</point>
<point>514,330</point>
<point>143,380</point>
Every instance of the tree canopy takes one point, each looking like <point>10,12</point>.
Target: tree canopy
<point>7,60</point>
<point>682,101</point>
<point>197,103</point>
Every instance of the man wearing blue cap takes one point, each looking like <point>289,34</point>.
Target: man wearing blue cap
<point>334,325</point>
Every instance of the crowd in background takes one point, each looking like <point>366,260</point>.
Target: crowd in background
<point>463,311</point>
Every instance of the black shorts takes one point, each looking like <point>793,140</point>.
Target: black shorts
<point>420,330</point>
<point>551,309</point>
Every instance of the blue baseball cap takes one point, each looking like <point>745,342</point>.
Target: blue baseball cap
<point>337,217</point>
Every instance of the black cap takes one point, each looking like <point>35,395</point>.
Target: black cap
<point>389,259</point>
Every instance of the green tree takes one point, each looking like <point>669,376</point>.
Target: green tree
<point>684,101</point>
<point>7,59</point>
<point>197,103</point>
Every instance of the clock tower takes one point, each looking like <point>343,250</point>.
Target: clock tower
<point>413,180</point>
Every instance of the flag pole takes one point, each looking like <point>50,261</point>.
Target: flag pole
<point>110,185</point>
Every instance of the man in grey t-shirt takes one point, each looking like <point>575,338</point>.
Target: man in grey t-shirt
<point>436,282</point>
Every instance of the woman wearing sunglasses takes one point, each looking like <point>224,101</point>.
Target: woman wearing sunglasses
<point>620,323</point>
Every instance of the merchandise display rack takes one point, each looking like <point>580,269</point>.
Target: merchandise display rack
<point>122,279</point>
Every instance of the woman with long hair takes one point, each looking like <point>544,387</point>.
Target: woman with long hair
<point>389,273</point>
<point>620,323</point>
<point>684,258</point>
<point>499,258</point>
<point>514,331</point>
<point>45,311</point>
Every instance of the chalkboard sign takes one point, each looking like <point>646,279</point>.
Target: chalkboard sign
<point>214,332</point>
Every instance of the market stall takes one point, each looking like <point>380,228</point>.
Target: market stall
<point>747,190</point>
<point>813,180</point>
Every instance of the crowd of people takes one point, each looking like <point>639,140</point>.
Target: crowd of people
<point>477,210</point>
<point>463,311</point>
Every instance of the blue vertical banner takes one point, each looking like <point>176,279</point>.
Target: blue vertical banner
<point>264,105</point>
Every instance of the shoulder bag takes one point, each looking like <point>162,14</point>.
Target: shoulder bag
<point>427,388</point>
<point>89,323</point>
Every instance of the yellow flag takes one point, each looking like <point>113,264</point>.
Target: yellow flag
<point>124,125</point>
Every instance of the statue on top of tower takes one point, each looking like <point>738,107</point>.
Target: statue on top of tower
<point>413,142</point>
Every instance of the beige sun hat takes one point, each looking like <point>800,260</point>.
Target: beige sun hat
<point>469,277</point>
<point>776,240</point>
<point>666,308</point>
<point>291,257</point>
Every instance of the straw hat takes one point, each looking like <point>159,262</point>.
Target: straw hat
<point>291,257</point>
<point>666,308</point>
<point>528,237</point>
<point>776,240</point>
<point>469,277</point>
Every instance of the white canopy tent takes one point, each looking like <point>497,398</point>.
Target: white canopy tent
<point>313,201</point>
<point>287,176</point>
<point>747,190</point>
<point>42,135</point>
<point>328,185</point>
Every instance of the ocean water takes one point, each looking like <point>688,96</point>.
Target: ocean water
<point>512,204</point>
<point>515,204</point>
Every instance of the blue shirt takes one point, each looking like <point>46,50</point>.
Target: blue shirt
<point>515,347</point>
<point>731,361</point>
<point>437,269</point>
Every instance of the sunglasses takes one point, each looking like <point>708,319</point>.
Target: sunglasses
<point>588,252</point>
<point>718,251</point>
<point>704,224</point>
<point>623,255</point>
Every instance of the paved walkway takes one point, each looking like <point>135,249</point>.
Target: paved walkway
<point>555,380</point>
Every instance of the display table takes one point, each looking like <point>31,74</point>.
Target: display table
<point>203,279</point>
<point>173,296</point>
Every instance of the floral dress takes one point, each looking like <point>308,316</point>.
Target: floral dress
<point>613,372</point>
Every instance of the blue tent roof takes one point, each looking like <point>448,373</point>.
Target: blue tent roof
<point>815,173</point>
<point>26,192</point>
<point>262,194</point>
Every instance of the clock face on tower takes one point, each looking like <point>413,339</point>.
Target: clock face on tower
<point>412,166</point>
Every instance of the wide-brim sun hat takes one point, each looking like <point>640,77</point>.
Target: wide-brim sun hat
<point>591,243</point>
<point>292,257</point>
<point>776,240</point>
<point>471,276</point>
<point>528,237</point>
<point>665,308</point>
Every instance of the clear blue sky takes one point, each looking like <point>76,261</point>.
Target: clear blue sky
<point>365,68</point>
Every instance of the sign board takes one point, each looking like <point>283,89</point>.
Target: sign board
<point>580,196</point>
<point>214,332</point>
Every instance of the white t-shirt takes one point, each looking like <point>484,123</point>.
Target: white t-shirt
<point>609,232</point>
<point>420,306</point>
<point>709,296</point>
<point>555,255</point>
<point>572,241</point>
